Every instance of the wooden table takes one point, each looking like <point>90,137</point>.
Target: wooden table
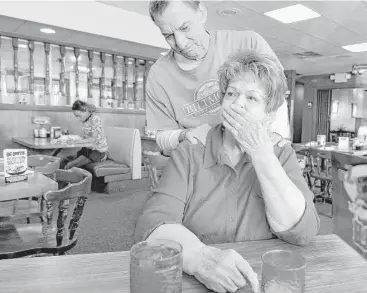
<point>45,144</point>
<point>332,267</point>
<point>329,147</point>
<point>36,185</point>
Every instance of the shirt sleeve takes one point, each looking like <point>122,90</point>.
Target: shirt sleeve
<point>167,204</point>
<point>159,116</point>
<point>97,130</point>
<point>309,224</point>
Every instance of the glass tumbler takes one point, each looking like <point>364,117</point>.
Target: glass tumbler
<point>283,272</point>
<point>156,266</point>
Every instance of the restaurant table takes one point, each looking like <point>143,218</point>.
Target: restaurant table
<point>332,267</point>
<point>329,147</point>
<point>41,144</point>
<point>36,185</point>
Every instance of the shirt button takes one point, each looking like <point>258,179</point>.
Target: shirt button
<point>232,218</point>
<point>232,190</point>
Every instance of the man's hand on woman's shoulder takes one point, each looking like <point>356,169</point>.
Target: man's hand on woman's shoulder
<point>279,140</point>
<point>198,134</point>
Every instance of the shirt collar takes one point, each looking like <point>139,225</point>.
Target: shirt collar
<point>88,117</point>
<point>214,151</point>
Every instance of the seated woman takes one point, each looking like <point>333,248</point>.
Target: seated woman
<point>239,187</point>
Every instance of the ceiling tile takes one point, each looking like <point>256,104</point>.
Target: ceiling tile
<point>335,10</point>
<point>357,20</point>
<point>265,6</point>
<point>328,30</point>
<point>351,14</point>
<point>282,48</point>
<point>267,26</point>
<point>287,34</point>
<point>141,7</point>
<point>216,21</point>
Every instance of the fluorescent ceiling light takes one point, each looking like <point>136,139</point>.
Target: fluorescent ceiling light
<point>362,47</point>
<point>292,13</point>
<point>47,31</point>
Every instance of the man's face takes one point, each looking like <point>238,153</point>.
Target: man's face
<point>183,29</point>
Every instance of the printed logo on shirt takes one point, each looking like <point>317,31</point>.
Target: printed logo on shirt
<point>206,100</point>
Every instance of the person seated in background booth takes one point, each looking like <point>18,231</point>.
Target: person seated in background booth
<point>238,187</point>
<point>93,132</point>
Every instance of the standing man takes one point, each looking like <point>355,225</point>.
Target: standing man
<point>183,96</point>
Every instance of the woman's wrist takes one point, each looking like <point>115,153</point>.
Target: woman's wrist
<point>192,257</point>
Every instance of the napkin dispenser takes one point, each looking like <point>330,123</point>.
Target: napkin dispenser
<point>343,143</point>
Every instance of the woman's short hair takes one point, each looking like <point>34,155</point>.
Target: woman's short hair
<point>83,107</point>
<point>265,67</point>
<point>157,7</point>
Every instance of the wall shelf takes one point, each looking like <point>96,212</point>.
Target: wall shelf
<point>23,107</point>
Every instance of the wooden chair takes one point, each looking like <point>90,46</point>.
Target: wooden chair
<point>47,165</point>
<point>303,157</point>
<point>55,233</point>
<point>320,165</point>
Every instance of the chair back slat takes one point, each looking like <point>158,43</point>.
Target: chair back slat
<point>44,164</point>
<point>320,162</point>
<point>69,200</point>
<point>59,213</point>
<point>78,183</point>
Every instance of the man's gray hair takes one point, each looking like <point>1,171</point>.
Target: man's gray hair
<point>157,7</point>
<point>265,67</point>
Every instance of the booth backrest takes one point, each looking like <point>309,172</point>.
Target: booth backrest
<point>124,147</point>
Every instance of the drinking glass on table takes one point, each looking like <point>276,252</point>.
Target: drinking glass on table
<point>156,266</point>
<point>283,272</point>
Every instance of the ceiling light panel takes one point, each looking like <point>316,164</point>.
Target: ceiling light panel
<point>362,47</point>
<point>292,14</point>
<point>47,31</point>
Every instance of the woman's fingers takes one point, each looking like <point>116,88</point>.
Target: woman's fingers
<point>242,113</point>
<point>247,271</point>
<point>228,284</point>
<point>232,121</point>
<point>230,128</point>
<point>237,278</point>
<point>236,112</point>
<point>211,283</point>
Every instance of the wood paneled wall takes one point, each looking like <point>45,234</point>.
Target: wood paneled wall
<point>15,123</point>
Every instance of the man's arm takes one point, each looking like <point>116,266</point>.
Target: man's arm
<point>161,117</point>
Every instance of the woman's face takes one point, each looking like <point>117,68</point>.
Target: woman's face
<point>248,92</point>
<point>80,115</point>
